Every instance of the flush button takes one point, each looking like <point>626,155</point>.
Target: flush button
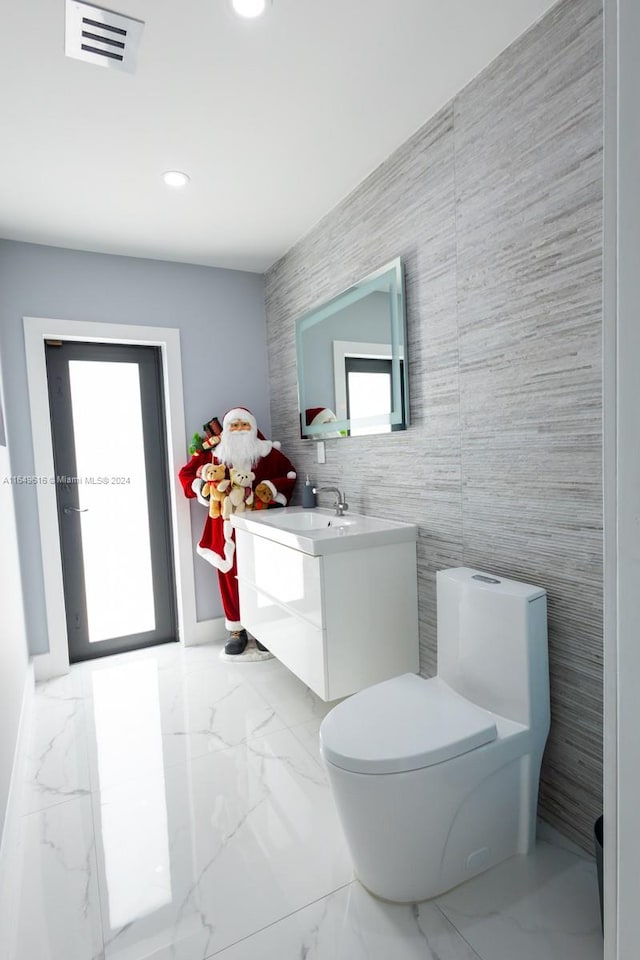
<point>478,860</point>
<point>483,579</point>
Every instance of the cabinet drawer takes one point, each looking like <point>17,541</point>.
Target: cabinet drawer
<point>293,640</point>
<point>287,576</point>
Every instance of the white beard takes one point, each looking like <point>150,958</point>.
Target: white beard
<point>241,449</point>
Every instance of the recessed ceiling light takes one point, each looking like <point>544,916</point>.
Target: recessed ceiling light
<point>250,8</point>
<point>174,178</point>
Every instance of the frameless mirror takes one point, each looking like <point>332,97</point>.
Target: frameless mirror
<point>352,365</point>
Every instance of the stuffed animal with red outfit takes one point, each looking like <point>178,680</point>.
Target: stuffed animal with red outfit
<point>264,496</point>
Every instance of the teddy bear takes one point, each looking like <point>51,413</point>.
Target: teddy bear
<point>240,494</point>
<point>263,497</point>
<point>215,486</point>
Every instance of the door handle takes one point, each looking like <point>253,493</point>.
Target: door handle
<point>74,510</point>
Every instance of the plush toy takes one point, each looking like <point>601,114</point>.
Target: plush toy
<point>215,486</point>
<point>240,495</point>
<point>263,497</point>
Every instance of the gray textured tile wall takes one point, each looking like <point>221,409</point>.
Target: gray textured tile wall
<point>495,206</point>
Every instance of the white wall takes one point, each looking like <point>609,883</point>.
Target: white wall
<point>13,643</point>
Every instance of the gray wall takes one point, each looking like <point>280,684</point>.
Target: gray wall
<point>220,314</point>
<point>496,207</point>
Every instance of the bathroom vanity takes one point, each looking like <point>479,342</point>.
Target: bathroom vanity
<point>333,598</point>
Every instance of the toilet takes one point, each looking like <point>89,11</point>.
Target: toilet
<point>437,780</point>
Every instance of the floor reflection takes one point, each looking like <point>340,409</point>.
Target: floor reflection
<point>128,726</point>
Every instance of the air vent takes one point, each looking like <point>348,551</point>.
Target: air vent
<point>102,37</point>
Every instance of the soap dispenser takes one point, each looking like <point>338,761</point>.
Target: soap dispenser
<point>308,495</point>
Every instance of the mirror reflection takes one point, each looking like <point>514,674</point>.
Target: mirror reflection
<point>351,356</point>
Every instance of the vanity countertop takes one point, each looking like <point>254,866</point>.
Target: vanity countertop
<point>319,531</point>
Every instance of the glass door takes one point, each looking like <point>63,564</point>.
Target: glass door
<point>112,491</point>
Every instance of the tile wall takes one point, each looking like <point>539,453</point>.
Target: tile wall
<point>495,206</point>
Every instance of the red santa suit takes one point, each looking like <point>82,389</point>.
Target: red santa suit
<point>217,543</point>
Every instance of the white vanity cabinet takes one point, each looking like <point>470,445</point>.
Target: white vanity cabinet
<point>342,619</point>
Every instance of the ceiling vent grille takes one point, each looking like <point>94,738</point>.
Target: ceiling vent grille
<point>102,37</point>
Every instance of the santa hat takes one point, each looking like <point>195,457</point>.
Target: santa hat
<point>239,413</point>
<point>315,415</point>
<point>318,415</point>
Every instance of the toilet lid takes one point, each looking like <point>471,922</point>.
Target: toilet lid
<point>406,723</point>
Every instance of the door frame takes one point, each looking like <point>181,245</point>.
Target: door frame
<point>621,477</point>
<point>142,368</point>
<point>36,331</point>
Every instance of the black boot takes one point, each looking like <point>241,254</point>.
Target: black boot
<point>261,647</point>
<point>236,643</point>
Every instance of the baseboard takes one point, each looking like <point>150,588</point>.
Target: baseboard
<point>50,665</point>
<point>208,631</point>
<point>10,854</point>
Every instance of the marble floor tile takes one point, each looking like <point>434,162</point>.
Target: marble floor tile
<point>177,808</point>
<point>142,718</point>
<point>292,700</point>
<point>214,850</point>
<point>59,910</point>
<point>545,832</point>
<point>67,688</point>
<point>309,736</point>
<point>350,924</point>
<point>171,659</point>
<point>58,762</point>
<point>539,907</point>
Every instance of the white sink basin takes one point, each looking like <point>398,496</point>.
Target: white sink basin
<point>320,531</point>
<point>306,520</point>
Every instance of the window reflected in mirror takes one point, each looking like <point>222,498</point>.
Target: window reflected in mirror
<point>368,393</point>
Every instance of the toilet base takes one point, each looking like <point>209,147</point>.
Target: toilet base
<point>405,903</point>
<point>415,835</point>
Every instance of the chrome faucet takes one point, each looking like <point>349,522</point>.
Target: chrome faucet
<point>340,505</point>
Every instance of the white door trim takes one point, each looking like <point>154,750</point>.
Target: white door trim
<point>622,477</point>
<point>627,654</point>
<point>36,331</point>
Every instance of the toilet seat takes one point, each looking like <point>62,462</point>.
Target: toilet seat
<point>403,724</point>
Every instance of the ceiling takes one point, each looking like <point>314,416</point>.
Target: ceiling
<point>274,120</point>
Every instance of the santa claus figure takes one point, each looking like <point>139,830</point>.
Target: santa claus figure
<point>268,478</point>
<point>319,416</point>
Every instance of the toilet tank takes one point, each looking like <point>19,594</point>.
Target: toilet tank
<point>492,643</point>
